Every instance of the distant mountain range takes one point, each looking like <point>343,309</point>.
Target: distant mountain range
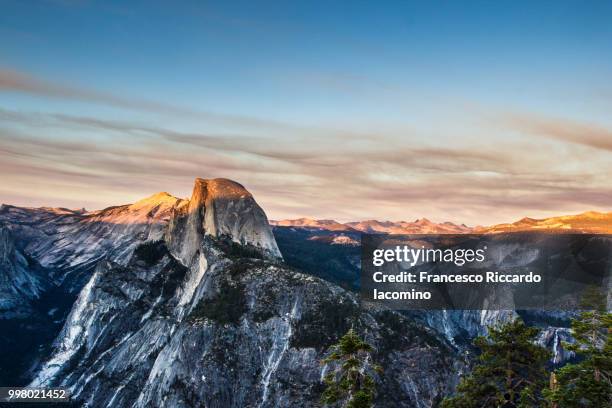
<point>587,222</point>
<point>419,226</point>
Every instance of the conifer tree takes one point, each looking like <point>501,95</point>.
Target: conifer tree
<point>349,383</point>
<point>589,382</point>
<point>510,371</point>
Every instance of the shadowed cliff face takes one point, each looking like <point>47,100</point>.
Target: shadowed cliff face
<point>22,280</point>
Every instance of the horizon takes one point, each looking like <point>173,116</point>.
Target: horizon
<point>339,220</point>
<point>480,113</point>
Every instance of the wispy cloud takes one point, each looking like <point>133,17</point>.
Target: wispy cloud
<point>298,170</point>
<point>309,176</point>
<point>20,82</point>
<point>586,134</point>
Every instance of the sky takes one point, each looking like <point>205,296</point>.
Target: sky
<point>476,112</point>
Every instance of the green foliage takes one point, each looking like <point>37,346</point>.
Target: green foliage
<point>227,306</point>
<point>589,382</point>
<point>398,332</point>
<point>323,323</point>
<point>151,251</point>
<point>234,250</point>
<point>349,383</point>
<point>511,367</point>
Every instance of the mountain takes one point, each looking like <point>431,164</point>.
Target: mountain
<point>48,254</point>
<point>340,239</point>
<point>189,303</point>
<point>249,332</point>
<point>22,281</point>
<point>419,226</point>
<point>587,222</point>
<point>69,243</point>
<point>310,223</point>
<point>219,208</point>
<point>310,249</point>
<point>199,302</point>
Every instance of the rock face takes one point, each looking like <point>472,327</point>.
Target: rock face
<point>22,280</point>
<point>208,316</point>
<point>186,303</point>
<point>219,208</point>
<point>252,334</point>
<point>553,338</point>
<point>69,243</point>
<point>49,254</point>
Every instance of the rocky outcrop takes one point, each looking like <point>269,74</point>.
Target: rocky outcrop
<point>207,315</point>
<point>252,333</point>
<point>49,254</point>
<point>219,208</point>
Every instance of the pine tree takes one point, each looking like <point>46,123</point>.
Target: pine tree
<point>510,370</point>
<point>349,383</point>
<point>589,382</point>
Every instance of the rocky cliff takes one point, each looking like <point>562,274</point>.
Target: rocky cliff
<point>219,208</point>
<point>69,243</point>
<point>204,313</point>
<point>22,280</point>
<point>251,333</point>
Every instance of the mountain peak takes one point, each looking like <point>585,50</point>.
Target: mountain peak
<point>304,222</point>
<point>220,208</point>
<point>418,226</point>
<point>588,222</point>
<point>222,188</point>
<point>156,199</point>
<point>593,214</point>
<point>422,221</point>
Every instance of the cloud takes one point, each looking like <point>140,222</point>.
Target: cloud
<point>318,152</point>
<point>585,134</point>
<point>362,176</point>
<point>19,82</point>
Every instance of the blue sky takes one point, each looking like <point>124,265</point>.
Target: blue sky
<point>402,103</point>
